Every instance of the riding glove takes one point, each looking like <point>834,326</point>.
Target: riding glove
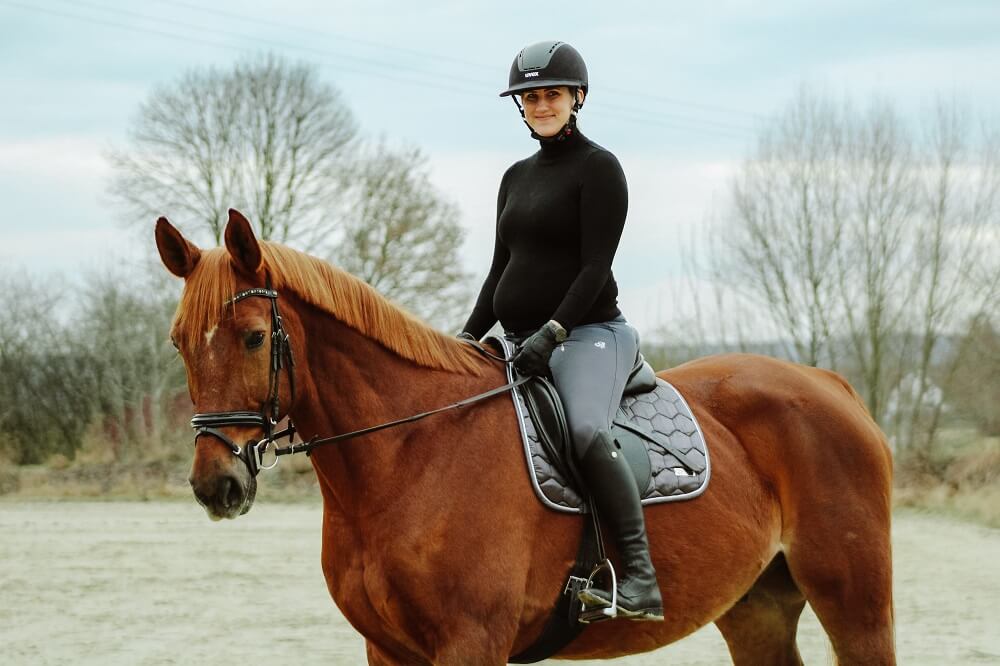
<point>532,357</point>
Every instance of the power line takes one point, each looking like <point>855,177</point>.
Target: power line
<point>216,44</point>
<point>695,105</point>
<point>323,33</point>
<point>285,45</point>
<point>642,112</point>
<point>365,65</point>
<point>437,56</point>
<point>113,24</point>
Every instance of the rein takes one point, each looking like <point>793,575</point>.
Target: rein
<point>306,447</point>
<point>264,454</point>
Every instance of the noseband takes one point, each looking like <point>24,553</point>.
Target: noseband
<point>281,357</point>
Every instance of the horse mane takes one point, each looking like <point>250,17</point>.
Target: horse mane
<point>212,284</point>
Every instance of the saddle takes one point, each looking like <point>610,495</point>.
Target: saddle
<point>655,428</point>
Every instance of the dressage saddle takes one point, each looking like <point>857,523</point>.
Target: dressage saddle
<point>546,411</point>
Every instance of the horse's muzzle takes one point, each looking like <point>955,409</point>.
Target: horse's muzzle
<point>225,495</point>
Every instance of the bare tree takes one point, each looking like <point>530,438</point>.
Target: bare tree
<point>708,314</point>
<point>787,208</point>
<point>46,391</point>
<point>403,238</point>
<point>271,139</point>
<point>133,368</point>
<point>975,383</point>
<point>868,247</point>
<point>958,256</point>
<point>267,137</point>
<point>875,268</point>
<point>101,358</point>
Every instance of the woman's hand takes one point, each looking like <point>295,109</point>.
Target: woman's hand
<point>532,357</point>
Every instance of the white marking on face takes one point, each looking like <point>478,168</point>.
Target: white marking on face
<point>210,334</point>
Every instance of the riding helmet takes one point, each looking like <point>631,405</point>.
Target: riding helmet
<point>546,65</point>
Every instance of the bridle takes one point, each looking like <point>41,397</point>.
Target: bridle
<point>264,453</point>
<point>267,418</point>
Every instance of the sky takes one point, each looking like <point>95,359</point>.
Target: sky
<point>679,92</point>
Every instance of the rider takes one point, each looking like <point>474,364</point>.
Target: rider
<point>560,214</point>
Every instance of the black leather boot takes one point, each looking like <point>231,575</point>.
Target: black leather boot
<point>612,486</point>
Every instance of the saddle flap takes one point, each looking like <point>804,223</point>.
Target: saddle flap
<point>546,410</point>
<point>634,449</point>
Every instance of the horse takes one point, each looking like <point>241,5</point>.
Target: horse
<point>434,546</point>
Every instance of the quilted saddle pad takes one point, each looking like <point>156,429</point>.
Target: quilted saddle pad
<point>661,418</point>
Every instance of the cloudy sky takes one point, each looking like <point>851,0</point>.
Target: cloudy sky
<point>678,92</point>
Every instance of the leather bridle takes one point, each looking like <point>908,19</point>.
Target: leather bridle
<point>207,423</point>
<point>254,454</point>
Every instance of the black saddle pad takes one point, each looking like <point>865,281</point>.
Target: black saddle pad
<point>658,422</point>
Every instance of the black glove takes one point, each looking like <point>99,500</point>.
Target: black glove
<point>532,357</point>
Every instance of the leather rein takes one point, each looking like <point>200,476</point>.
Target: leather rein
<point>264,454</point>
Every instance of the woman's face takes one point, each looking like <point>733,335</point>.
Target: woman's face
<point>547,109</point>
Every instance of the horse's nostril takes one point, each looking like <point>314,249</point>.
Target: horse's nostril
<point>231,494</point>
<point>199,493</point>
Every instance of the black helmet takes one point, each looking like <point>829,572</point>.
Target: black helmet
<point>546,65</point>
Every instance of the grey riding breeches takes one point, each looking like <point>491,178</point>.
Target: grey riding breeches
<point>589,370</point>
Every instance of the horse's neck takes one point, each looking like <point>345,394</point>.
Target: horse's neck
<point>355,382</point>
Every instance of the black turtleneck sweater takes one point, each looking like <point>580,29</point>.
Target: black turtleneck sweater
<point>560,214</point>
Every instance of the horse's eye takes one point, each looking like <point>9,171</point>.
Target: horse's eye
<point>255,339</point>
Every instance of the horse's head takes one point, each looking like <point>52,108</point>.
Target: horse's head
<point>224,334</point>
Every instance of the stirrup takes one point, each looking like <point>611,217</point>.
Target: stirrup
<point>599,612</point>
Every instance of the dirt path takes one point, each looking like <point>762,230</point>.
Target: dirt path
<point>157,583</point>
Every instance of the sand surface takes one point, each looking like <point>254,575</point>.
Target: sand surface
<point>158,583</point>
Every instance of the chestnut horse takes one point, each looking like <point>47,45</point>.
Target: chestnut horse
<point>435,547</point>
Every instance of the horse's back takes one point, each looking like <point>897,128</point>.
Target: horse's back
<point>810,414</point>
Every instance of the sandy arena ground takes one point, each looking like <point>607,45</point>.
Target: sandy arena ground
<point>158,583</point>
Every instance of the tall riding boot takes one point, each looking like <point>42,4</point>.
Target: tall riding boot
<point>611,484</point>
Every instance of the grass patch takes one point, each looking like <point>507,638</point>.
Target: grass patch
<point>142,481</point>
<point>966,484</point>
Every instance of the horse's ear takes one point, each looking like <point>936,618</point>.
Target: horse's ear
<point>179,255</point>
<point>242,244</point>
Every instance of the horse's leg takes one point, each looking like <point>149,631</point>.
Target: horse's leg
<point>839,554</point>
<point>473,650</point>
<point>474,638</point>
<point>760,628</point>
<point>378,656</point>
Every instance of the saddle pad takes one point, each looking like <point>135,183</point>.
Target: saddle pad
<point>674,443</point>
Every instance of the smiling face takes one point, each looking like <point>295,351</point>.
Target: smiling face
<point>548,109</point>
